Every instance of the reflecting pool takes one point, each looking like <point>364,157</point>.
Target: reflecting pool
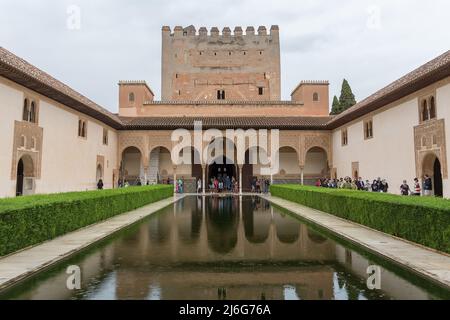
<point>221,247</point>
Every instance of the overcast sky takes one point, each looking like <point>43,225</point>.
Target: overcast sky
<point>370,43</point>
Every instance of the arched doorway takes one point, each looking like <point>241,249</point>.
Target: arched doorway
<point>221,162</point>
<point>99,173</point>
<point>432,167</point>
<point>221,168</point>
<point>24,178</point>
<point>437,175</point>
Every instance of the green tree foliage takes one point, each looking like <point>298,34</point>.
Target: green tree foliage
<point>345,101</point>
<point>336,108</point>
<point>347,98</point>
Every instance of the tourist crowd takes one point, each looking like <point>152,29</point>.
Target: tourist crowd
<point>378,185</point>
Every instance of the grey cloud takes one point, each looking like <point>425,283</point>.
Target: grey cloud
<point>320,39</point>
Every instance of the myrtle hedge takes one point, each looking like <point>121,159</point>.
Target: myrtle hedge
<point>30,220</point>
<point>424,220</point>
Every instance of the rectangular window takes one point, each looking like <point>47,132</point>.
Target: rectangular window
<point>368,129</point>
<point>105,137</point>
<point>344,136</point>
<point>260,91</point>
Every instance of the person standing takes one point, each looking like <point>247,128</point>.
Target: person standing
<point>427,186</point>
<point>100,184</point>
<point>384,186</point>
<point>404,189</point>
<point>417,189</point>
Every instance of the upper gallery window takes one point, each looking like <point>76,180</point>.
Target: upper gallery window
<point>344,137</point>
<point>368,129</point>
<point>105,136</point>
<point>29,111</point>
<point>82,128</point>
<point>428,108</point>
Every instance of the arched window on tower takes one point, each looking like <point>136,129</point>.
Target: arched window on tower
<point>220,94</point>
<point>432,108</point>
<point>315,97</point>
<point>131,97</point>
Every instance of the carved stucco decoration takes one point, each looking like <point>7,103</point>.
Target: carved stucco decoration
<point>429,140</point>
<point>32,135</point>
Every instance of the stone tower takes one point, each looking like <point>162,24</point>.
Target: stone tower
<point>228,66</point>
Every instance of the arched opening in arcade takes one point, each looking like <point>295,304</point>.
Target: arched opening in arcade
<point>160,167</point>
<point>256,160</point>
<point>25,176</point>
<point>316,165</point>
<point>190,169</point>
<point>289,167</point>
<point>433,168</point>
<point>221,164</point>
<point>131,169</point>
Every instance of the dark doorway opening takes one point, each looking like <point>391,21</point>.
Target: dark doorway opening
<point>438,190</point>
<point>20,176</point>
<point>221,169</point>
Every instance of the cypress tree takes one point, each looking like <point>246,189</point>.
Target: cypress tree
<point>336,108</point>
<point>347,98</point>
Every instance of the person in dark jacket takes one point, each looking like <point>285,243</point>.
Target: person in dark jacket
<point>384,186</point>
<point>404,189</point>
<point>100,184</point>
<point>427,186</point>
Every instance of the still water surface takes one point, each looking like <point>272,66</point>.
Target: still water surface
<point>219,248</point>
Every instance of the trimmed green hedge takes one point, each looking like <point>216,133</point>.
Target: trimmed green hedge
<point>27,221</point>
<point>424,220</point>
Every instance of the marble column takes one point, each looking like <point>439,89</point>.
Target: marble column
<point>175,179</point>
<point>240,180</point>
<point>302,169</point>
<point>204,168</point>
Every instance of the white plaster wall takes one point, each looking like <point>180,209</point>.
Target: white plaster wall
<point>10,99</point>
<point>69,163</point>
<point>443,111</point>
<point>389,154</point>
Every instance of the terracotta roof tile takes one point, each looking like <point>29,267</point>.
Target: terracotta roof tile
<point>286,123</point>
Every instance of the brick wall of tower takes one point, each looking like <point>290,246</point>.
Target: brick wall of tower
<point>196,65</point>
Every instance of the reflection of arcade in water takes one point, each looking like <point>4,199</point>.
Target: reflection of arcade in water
<point>221,248</point>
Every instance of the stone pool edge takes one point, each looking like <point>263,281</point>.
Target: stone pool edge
<point>427,263</point>
<point>19,266</point>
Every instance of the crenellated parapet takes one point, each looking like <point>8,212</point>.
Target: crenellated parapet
<point>229,63</point>
<point>215,32</point>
